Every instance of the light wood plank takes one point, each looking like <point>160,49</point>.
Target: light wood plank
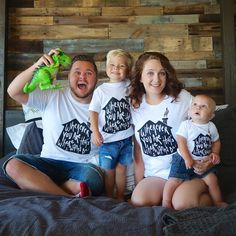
<point>168,44</point>
<point>142,31</point>
<point>57,11</point>
<point>171,19</point>
<point>31,20</point>
<point>58,32</point>
<point>68,3</point>
<point>131,11</point>
<point>199,64</point>
<point>184,9</point>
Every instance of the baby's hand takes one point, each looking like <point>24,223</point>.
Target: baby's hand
<point>189,163</point>
<point>97,138</point>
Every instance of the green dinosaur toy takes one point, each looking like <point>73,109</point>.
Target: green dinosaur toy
<point>44,76</point>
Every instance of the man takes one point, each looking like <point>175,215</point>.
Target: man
<point>63,167</point>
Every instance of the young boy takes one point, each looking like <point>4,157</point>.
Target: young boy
<point>197,138</point>
<point>111,122</point>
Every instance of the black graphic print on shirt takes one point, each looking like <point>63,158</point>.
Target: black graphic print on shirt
<point>75,137</point>
<point>157,139</point>
<point>117,116</point>
<point>202,145</point>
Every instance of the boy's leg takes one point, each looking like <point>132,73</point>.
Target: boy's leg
<point>214,189</point>
<point>125,159</point>
<point>120,181</point>
<point>109,182</point>
<point>169,190</point>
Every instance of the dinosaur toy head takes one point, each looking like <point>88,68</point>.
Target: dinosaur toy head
<point>44,76</point>
<point>63,59</point>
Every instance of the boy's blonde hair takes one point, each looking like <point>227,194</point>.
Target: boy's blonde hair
<point>123,53</point>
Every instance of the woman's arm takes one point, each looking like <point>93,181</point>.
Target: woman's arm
<point>15,89</point>
<point>138,162</point>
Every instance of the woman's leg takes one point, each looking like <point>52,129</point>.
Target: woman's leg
<point>191,193</point>
<point>148,192</point>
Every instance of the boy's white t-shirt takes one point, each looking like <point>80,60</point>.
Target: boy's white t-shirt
<point>67,134</point>
<point>199,137</point>
<point>155,131</point>
<point>111,102</point>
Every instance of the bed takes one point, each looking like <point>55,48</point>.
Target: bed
<point>32,213</point>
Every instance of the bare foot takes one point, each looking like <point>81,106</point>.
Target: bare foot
<point>221,204</point>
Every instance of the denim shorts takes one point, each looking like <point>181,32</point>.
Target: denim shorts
<point>178,169</point>
<point>110,154</point>
<point>60,171</point>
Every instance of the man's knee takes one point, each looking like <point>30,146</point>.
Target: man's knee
<point>12,167</point>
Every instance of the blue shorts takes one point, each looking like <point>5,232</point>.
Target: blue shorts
<point>61,171</point>
<point>178,169</point>
<point>116,152</point>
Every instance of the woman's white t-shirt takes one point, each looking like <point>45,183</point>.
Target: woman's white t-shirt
<point>155,131</point>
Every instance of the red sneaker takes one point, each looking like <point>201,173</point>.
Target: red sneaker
<point>84,190</point>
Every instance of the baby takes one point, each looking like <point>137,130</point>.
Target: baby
<point>197,138</point>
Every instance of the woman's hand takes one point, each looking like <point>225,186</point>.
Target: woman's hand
<point>203,165</point>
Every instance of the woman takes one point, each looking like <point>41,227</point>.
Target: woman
<point>159,105</point>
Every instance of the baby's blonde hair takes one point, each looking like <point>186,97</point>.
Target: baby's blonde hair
<point>122,53</point>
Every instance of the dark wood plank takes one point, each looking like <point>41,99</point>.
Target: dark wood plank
<point>21,3</point>
<point>95,45</point>
<point>25,46</point>
<point>228,44</point>
<point>2,73</point>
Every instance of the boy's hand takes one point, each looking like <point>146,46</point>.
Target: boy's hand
<point>97,138</point>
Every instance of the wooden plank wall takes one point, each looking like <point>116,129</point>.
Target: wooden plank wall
<point>188,32</point>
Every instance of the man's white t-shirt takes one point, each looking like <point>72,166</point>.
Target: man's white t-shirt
<point>111,102</point>
<point>199,137</point>
<point>155,131</point>
<point>66,128</point>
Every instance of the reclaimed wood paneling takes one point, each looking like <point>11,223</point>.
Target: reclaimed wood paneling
<point>187,32</point>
